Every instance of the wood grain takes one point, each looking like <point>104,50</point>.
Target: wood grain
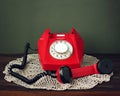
<point>106,88</point>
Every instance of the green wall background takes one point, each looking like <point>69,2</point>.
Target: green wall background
<point>97,21</point>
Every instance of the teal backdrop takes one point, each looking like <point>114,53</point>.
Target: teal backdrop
<point>97,21</point>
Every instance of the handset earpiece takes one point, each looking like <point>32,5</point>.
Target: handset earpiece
<point>65,74</point>
<point>105,66</point>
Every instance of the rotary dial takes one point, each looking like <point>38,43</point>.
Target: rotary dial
<point>61,49</point>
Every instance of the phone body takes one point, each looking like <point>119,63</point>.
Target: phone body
<point>60,49</point>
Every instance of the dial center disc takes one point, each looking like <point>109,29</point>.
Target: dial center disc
<point>61,48</point>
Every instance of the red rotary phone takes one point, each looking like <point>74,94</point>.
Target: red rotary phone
<point>62,54</point>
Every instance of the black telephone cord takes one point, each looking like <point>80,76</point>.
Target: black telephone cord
<point>24,79</point>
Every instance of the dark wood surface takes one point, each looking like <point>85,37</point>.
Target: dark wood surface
<point>111,88</point>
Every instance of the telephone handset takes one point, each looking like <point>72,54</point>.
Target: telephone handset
<point>61,56</point>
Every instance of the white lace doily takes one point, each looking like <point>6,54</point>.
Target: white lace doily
<point>33,67</point>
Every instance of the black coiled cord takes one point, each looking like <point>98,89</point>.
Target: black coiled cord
<point>24,79</point>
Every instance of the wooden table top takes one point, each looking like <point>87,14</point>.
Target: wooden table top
<point>106,88</point>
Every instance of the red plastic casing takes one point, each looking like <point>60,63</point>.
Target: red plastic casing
<point>85,71</point>
<point>80,72</point>
<point>50,63</point>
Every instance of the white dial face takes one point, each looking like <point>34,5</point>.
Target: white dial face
<point>61,49</point>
